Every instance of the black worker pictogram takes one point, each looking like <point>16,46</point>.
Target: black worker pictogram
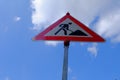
<point>65,28</point>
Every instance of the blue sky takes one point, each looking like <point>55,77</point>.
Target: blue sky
<point>24,59</point>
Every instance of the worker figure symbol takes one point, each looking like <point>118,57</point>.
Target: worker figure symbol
<point>65,28</point>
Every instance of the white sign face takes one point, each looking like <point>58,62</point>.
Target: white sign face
<point>68,28</point>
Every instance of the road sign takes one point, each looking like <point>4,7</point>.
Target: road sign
<point>69,29</point>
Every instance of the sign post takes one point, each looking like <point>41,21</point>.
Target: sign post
<point>65,61</point>
<point>68,29</point>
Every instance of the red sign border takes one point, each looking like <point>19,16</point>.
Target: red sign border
<point>95,37</point>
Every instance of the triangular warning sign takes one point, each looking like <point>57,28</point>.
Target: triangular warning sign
<point>69,29</point>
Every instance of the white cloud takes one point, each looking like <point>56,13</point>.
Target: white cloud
<point>109,25</point>
<point>17,18</point>
<point>48,11</point>
<point>93,49</point>
<point>51,43</point>
<point>45,12</point>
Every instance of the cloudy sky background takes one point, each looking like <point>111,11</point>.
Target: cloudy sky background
<point>104,15</point>
<point>101,16</point>
<point>24,59</point>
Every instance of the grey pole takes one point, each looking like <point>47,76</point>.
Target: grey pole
<point>65,61</point>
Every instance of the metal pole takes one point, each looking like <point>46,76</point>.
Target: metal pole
<point>65,61</point>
